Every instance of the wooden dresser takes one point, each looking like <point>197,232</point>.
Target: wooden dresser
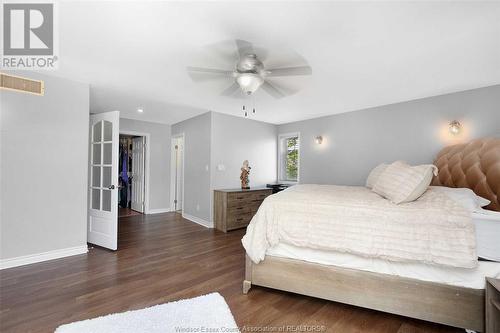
<point>233,209</point>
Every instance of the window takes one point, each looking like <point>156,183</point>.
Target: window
<point>289,145</point>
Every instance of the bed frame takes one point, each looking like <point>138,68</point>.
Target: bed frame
<point>439,303</point>
<point>434,302</point>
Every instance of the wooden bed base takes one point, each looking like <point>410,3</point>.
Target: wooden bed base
<point>434,302</point>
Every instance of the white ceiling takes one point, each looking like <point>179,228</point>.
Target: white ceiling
<point>363,54</point>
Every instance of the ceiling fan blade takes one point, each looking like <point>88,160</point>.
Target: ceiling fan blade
<point>209,71</point>
<point>289,71</point>
<point>204,77</point>
<point>231,90</point>
<point>244,47</point>
<point>272,90</point>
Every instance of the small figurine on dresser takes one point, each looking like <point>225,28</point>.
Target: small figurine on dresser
<point>245,172</point>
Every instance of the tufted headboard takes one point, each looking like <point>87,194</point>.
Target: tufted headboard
<point>475,165</point>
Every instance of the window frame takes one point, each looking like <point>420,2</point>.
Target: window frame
<point>281,156</point>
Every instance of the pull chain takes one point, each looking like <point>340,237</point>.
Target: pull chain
<point>244,108</point>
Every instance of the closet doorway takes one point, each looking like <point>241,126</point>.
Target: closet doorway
<point>133,174</point>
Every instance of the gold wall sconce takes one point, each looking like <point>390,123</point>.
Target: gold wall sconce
<point>455,127</point>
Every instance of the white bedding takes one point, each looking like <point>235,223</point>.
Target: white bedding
<point>433,229</point>
<point>462,277</point>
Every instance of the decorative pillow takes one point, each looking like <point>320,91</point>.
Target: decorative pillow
<point>464,196</point>
<point>401,182</point>
<point>374,174</point>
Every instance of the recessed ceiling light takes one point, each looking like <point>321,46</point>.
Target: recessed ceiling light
<point>140,110</point>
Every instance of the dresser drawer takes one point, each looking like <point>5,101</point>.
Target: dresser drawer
<point>238,221</point>
<point>243,209</point>
<point>260,196</point>
<point>245,199</point>
<point>237,201</point>
<point>235,209</point>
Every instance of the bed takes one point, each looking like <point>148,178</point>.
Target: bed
<point>433,278</point>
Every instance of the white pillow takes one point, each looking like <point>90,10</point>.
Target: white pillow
<point>464,196</point>
<point>482,201</point>
<point>374,174</point>
<point>401,182</point>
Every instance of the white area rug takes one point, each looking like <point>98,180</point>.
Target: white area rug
<point>208,313</point>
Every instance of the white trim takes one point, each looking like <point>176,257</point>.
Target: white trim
<point>172,168</point>
<point>158,211</point>
<point>197,220</point>
<point>282,136</point>
<point>146,166</point>
<point>44,256</point>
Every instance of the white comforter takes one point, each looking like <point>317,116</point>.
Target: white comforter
<point>433,230</point>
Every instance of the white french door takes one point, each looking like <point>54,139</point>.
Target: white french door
<point>102,225</point>
<point>138,174</point>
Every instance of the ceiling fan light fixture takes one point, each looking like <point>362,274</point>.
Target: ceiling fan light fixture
<point>249,82</point>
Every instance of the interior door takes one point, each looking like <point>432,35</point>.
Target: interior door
<point>102,226</point>
<point>179,176</point>
<point>138,145</point>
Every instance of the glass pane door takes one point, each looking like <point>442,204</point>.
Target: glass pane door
<point>101,159</point>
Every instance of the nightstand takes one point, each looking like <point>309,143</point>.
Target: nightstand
<point>492,305</point>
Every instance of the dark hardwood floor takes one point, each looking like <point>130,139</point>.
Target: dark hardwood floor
<point>162,258</point>
<point>126,212</point>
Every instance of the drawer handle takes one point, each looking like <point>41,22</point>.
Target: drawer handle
<point>239,207</point>
<point>240,219</point>
<point>239,198</point>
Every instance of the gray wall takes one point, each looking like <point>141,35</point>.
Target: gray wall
<point>44,162</point>
<point>214,139</point>
<point>235,139</point>
<point>159,150</point>
<point>196,165</point>
<point>414,131</point>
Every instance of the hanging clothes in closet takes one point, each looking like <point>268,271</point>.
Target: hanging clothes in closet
<point>125,170</point>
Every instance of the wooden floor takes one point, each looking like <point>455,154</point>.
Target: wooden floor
<point>125,212</point>
<point>162,258</point>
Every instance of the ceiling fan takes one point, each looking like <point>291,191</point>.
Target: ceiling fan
<point>249,73</point>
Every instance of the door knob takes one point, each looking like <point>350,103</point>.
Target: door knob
<point>111,187</point>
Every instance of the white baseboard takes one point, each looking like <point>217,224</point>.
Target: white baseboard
<point>197,220</point>
<point>158,210</point>
<point>44,256</point>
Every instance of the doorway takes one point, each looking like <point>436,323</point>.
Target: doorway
<point>133,174</point>
<point>177,173</point>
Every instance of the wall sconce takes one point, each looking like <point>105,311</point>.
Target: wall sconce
<point>455,127</point>
<point>318,139</point>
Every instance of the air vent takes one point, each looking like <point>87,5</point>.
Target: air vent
<point>21,84</point>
